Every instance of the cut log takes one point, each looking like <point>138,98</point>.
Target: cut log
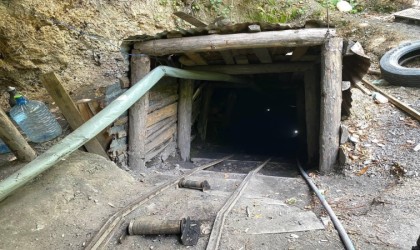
<point>164,136</point>
<point>204,113</point>
<point>254,68</point>
<point>196,58</point>
<point>168,124</point>
<point>263,55</point>
<point>161,114</point>
<point>190,19</point>
<point>69,110</point>
<point>283,38</point>
<point>331,98</point>
<point>163,103</point>
<point>140,67</point>
<point>312,103</point>
<point>186,89</point>
<point>404,107</point>
<point>14,140</point>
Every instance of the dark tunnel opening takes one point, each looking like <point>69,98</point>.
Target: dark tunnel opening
<point>260,119</point>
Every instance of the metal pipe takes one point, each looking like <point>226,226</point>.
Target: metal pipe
<point>99,122</point>
<point>341,231</point>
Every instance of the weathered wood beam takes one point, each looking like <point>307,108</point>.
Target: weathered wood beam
<point>241,59</point>
<point>283,38</point>
<point>163,103</point>
<point>155,127</point>
<point>14,140</point>
<point>263,55</point>
<point>161,114</point>
<point>255,68</point>
<point>161,138</point>
<point>298,53</point>
<point>186,89</point>
<point>227,57</point>
<point>140,67</point>
<point>312,103</point>
<point>204,113</point>
<point>69,110</point>
<point>331,97</point>
<point>196,58</point>
<point>190,19</point>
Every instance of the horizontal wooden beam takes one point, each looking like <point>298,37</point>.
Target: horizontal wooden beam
<point>283,38</point>
<point>255,68</point>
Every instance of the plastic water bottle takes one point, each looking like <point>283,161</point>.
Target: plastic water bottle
<point>3,148</point>
<point>35,119</point>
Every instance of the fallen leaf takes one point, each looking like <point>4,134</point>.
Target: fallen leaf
<point>362,171</point>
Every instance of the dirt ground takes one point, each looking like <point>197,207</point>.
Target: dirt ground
<point>376,196</point>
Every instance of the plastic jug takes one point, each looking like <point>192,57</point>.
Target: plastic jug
<point>35,120</point>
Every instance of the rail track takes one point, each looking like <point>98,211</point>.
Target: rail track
<point>115,222</point>
<point>108,230</point>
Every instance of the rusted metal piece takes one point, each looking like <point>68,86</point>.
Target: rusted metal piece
<point>146,226</point>
<point>200,185</point>
<point>187,228</point>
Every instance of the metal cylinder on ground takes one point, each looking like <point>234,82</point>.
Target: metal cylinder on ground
<point>200,185</point>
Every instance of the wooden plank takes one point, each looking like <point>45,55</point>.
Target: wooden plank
<point>331,98</point>
<point>190,19</point>
<point>255,68</point>
<point>88,111</point>
<point>69,110</point>
<point>140,66</point>
<point>263,55</point>
<point>155,127</point>
<point>162,129</point>
<point>14,140</point>
<point>163,103</point>
<point>204,113</point>
<point>312,104</point>
<point>227,57</point>
<point>241,59</point>
<point>164,136</point>
<point>298,53</point>
<point>185,60</point>
<point>404,107</point>
<point>186,89</point>
<point>150,155</point>
<point>283,38</point>
<point>196,58</point>
<point>161,114</point>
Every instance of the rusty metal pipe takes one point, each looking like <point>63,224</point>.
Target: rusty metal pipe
<point>152,226</point>
<point>200,185</point>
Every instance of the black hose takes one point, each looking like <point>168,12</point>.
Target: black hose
<point>341,231</point>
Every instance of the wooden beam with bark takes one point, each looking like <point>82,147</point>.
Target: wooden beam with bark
<point>69,110</point>
<point>312,103</point>
<point>255,68</point>
<point>186,89</point>
<point>331,98</point>
<point>140,67</point>
<point>14,140</point>
<point>283,38</point>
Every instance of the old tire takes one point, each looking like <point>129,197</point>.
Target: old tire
<point>392,69</point>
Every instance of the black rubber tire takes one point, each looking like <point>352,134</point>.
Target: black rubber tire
<point>391,68</point>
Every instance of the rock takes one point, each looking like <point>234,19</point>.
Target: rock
<point>344,6</point>
<point>344,134</point>
<point>378,98</point>
<point>354,139</point>
<point>417,148</point>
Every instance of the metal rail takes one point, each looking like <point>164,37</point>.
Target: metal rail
<point>99,122</point>
<point>216,232</point>
<point>107,230</point>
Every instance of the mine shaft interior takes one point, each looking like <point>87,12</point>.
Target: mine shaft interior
<point>261,118</point>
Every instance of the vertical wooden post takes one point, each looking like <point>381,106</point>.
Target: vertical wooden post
<point>312,103</point>
<point>331,96</point>
<point>301,121</point>
<point>184,118</point>
<point>14,140</point>
<point>137,126</point>
<point>69,110</point>
<point>205,108</point>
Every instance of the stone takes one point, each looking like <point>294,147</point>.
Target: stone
<point>344,6</point>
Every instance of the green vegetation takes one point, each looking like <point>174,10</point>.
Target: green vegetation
<point>219,8</point>
<point>276,11</point>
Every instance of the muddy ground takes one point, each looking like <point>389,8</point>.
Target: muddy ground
<point>376,195</point>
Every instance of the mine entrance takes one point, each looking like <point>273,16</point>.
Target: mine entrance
<point>258,119</point>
